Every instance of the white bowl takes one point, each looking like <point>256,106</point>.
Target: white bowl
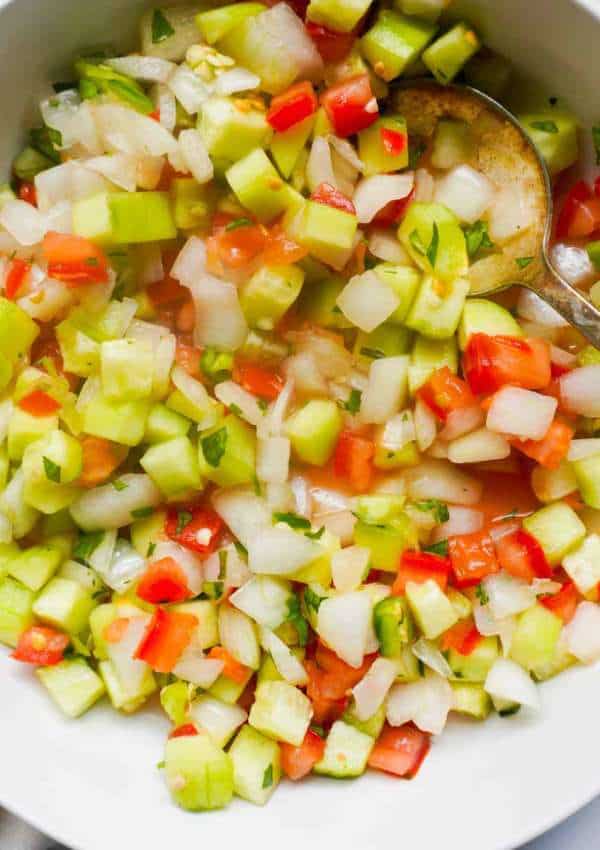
<point>94,784</point>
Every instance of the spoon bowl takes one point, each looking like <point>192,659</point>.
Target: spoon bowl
<point>504,153</point>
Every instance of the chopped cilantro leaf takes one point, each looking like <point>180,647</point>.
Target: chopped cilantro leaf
<point>545,126</point>
<point>151,550</point>
<point>222,564</point>
<point>417,243</point>
<point>293,520</point>
<point>233,408</point>
<point>477,237</point>
<point>240,549</point>
<point>52,470</point>
<point>432,251</point>
<point>437,508</point>
<point>353,402</point>
<point>183,519</point>
<point>315,535</point>
<point>87,545</point>
<point>373,353</point>
<point>120,485</point>
<point>523,262</point>
<point>440,548</point>
<point>311,599</point>
<point>213,447</point>
<point>268,777</point>
<point>237,223</point>
<point>161,28</point>
<point>481,594</point>
<point>142,513</point>
<point>295,617</point>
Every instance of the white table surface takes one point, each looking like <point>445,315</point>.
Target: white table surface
<point>579,832</point>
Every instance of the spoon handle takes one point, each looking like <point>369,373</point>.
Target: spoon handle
<point>570,303</point>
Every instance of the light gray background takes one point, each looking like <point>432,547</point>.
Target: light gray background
<point>579,832</point>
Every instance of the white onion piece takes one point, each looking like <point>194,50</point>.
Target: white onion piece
<point>436,479</point>
<point>384,245</point>
<point>349,567</point>
<point>582,634</point>
<point>189,89</point>
<point>329,501</point>
<point>238,635</point>
<point>507,681</point>
<point>425,425</point>
<point>281,551</point>
<point>190,262</point>
<point>488,625</point>
<point>220,321</point>
<point>367,301</point>
<point>284,659</point>
<point>119,168</point>
<point>508,595</point>
<point>386,392</point>
<point>60,217</point>
<point>126,566</point>
<point>374,193</point>
<point>346,151</point>
<point>47,301</point>
<point>74,121</point>
<point>510,214</point>
<point>427,652</point>
<point>101,558</point>
<point>193,666</point>
<point>531,306</point>
<point>23,221</point>
<point>461,421</point>
<point>579,390</point>
<point>580,449</point>
<point>105,508</point>
<point>398,432</point>
<point>522,413</point>
<point>216,717</point>
<point>149,69</point>
<point>370,693</point>
<point>343,623</point>
<point>189,562</point>
<point>478,447</point>
<point>264,599</point>
<point>272,421</point>
<point>424,186</point>
<point>236,569</point>
<point>426,702</point>
<point>303,370</point>
<point>128,131</point>
<point>151,268</point>
<point>280,497</point>
<point>334,360</point>
<point>542,586</point>
<point>130,671</point>
<point>71,181</point>
<point>245,513</point>
<point>465,191</point>
<point>583,564</point>
<point>231,394</point>
<point>340,524</point>
<point>273,459</point>
<point>302,497</point>
<point>462,521</point>
<point>572,263</point>
<point>195,155</point>
<point>234,81</point>
<point>165,102</point>
<point>319,166</point>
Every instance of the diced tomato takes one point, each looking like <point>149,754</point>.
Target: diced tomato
<point>155,115</point>
<point>188,357</point>
<point>167,291</point>
<point>394,212</point>
<point>258,380</point>
<point>574,501</point>
<point>27,193</point>
<point>445,392</point>
<point>292,107</point>
<point>506,496</point>
<point>17,272</point>
<point>167,636</point>
<point>115,631</point>
<point>167,175</point>
<point>563,603</point>
<point>74,260</point>
<point>38,403</point>
<point>42,646</point>
<point>350,106</point>
<point>164,581</point>
<point>233,669</point>
<point>325,710</point>
<point>100,459</point>
<point>297,762</point>
<point>552,449</point>
<point>462,637</point>
<point>419,567</point>
<point>472,557</point>
<point>580,213</point>
<point>490,362</point>
<point>558,371</point>
<point>333,46</point>
<point>577,194</point>
<point>400,750</point>
<point>280,250</point>
<point>187,730</point>
<point>393,142</point>
<point>522,556</point>
<point>195,527</point>
<point>353,460</point>
<point>326,194</point>
<point>239,242</point>
<point>338,677</point>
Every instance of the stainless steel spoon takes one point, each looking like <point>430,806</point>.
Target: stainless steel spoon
<point>503,152</point>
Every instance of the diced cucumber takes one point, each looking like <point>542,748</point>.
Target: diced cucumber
<point>122,422</point>
<point>125,218</point>
<point>173,466</point>
<point>256,766</point>
<point>449,53</point>
<point>85,576</point>
<point>535,638</point>
<point>437,309</point>
<point>16,615</point>
<point>394,42</point>
<point>587,473</point>
<point>319,570</point>
<point>318,303</point>
<point>326,232</point>
<point>386,542</point>
<point>346,752</point>
<point>287,146</point>
<point>17,331</point>
<point>228,690</point>
<point>206,633</point>
<point>148,531</point>
<point>583,564</point>
<point>427,356</point>
<point>387,340</point>
<point>371,727</point>
<point>12,504</point>
<point>475,666</point>
<point>73,685</point>
<point>554,133</point>
<point>561,660</point>
<point>404,281</point>
<point>127,368</point>
<point>558,530</point>
<point>228,452</point>
<point>35,566</point>
<point>482,316</point>
<point>431,608</point>
<point>65,604</point>
<point>378,508</point>
<point>230,133</point>
<point>50,465</point>
<point>216,717</point>
<point>281,711</point>
<point>313,431</point>
<point>269,293</point>
<point>199,774</point>
<point>123,699</point>
<point>337,15</point>
<point>443,255</point>
<point>372,149</point>
<point>24,429</point>
<point>214,24</point>
<point>175,700</point>
<point>258,186</point>
<point>8,551</point>
<point>471,699</point>
<point>193,205</point>
<point>164,424</point>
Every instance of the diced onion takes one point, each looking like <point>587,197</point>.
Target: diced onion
<point>71,181</point>
<point>333,359</point>
<point>119,168</point>
<point>508,595</point>
<point>218,718</point>
<point>303,371</point>
<point>385,246</point>
<point>424,186</point>
<point>427,702</point>
<point>126,566</point>
<point>195,155</point>
<point>582,634</point>
<point>478,447</point>
<point>427,652</point>
<point>273,459</point>
<point>234,81</point>
<point>286,662</point>
<point>522,413</point>
<point>572,263</point>
<point>272,422</point>
<point>238,635</point>
<point>319,166</point>
<point>580,449</point>
<point>398,432</point>
<point>128,131</point>
<point>231,394</point>
<point>374,193</point>
<point>340,524</point>
<point>346,151</point>
<point>23,221</point>
<point>579,390</point>
<point>349,567</point>
<point>195,668</point>
<point>73,120</point>
<point>189,89</point>
<point>370,693</point>
<point>105,508</point>
<point>245,513</point>
<point>149,69</point>
<point>461,421</point>
<point>130,671</point>
<point>196,393</point>
<point>190,261</point>
<point>508,681</point>
<point>531,306</point>
<point>462,521</point>
<point>166,104</point>
<point>385,393</point>
<point>436,479</point>
<point>510,214</point>
<point>281,551</point>
<point>367,301</point>
<point>220,321</point>
<point>264,599</point>
<point>465,191</point>
<point>343,623</point>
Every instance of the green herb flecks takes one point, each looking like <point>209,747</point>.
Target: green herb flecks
<point>523,262</point>
<point>312,600</point>
<point>440,548</point>
<point>294,616</point>
<point>120,485</point>
<point>352,403</point>
<point>315,535</point>
<point>436,507</point>
<point>183,518</point>
<point>477,238</point>
<point>268,777</point>
<point>372,353</point>
<point>142,513</point>
<point>293,520</point>
<point>87,545</point>
<point>545,126</point>
<point>151,550</point>
<point>213,447</point>
<point>52,470</point>
<point>432,251</point>
<point>481,594</point>
<point>237,223</point>
<point>161,28</point>
<point>417,243</point>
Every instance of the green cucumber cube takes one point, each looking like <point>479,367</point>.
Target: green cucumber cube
<point>437,308</point>
<point>17,331</point>
<point>80,353</point>
<point>582,565</point>
<point>25,429</point>
<point>453,144</point>
<point>127,369</point>
<point>386,542</point>
<point>29,163</point>
<point>8,551</point>
<point>92,219</point>
<point>73,685</point>
<point>554,133</point>
<point>215,24</point>
<point>337,15</point>
<point>471,699</point>
<point>85,576</point>
<point>371,727</point>
<point>281,711</point>
<point>313,431</point>
<point>207,632</point>
<point>164,424</point>
<point>148,531</point>
<point>258,186</point>
<point>127,701</point>
<point>50,466</point>
<point>536,637</point>
<point>373,152</point>
<point>173,466</point>
<point>482,316</point>
<point>35,566</point>
<point>418,235</point>
<point>230,133</point>
<point>228,452</point>
<point>125,217</point>
<point>587,473</point>
<point>326,232</point>
<point>404,281</point>
<point>347,750</point>
<point>558,530</point>
<point>388,340</point>
<point>227,690</point>
<point>199,774</point>
<point>269,294</point>
<point>193,205</point>
<point>122,422</point>
<point>65,604</point>
<point>449,53</point>
<point>12,503</point>
<point>99,619</point>
<point>385,458</point>
<point>175,701</point>
<point>6,372</point>
<point>286,147</point>
<point>256,766</point>
<point>427,356</point>
<point>16,614</point>
<point>475,666</point>
<point>431,608</point>
<point>394,42</point>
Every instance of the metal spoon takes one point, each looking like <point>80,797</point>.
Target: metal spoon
<point>504,153</point>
